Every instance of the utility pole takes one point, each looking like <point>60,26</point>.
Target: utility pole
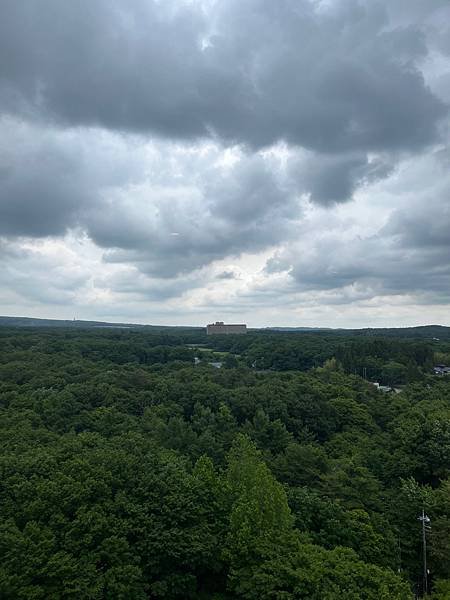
<point>425,519</point>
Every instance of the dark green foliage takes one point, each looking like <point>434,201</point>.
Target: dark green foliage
<point>126,472</point>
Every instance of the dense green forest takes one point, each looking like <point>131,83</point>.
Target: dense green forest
<point>130,472</point>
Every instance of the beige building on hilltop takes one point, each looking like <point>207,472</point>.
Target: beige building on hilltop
<point>219,328</point>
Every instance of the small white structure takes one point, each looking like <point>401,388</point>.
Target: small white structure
<point>385,388</point>
<point>441,370</point>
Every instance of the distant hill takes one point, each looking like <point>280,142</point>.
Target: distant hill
<point>425,331</point>
<point>294,329</point>
<point>33,322</point>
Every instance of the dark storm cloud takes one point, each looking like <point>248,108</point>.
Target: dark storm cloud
<point>334,178</point>
<point>229,210</point>
<point>33,275</point>
<point>48,178</point>
<point>380,266</point>
<point>152,207</point>
<point>161,255</point>
<point>424,229</point>
<point>252,72</point>
<point>248,192</point>
<point>41,190</point>
<point>101,63</point>
<point>408,255</point>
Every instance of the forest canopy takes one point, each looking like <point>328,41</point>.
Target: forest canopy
<point>132,468</point>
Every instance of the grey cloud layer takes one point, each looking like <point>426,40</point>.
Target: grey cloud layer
<point>164,209</point>
<point>32,275</point>
<point>117,118</point>
<point>409,254</point>
<point>41,186</point>
<point>225,211</point>
<point>252,72</point>
<point>48,177</point>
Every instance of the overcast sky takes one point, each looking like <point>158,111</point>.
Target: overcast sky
<point>277,162</point>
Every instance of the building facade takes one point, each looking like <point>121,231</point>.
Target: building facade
<point>220,328</point>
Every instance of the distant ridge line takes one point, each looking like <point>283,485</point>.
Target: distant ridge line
<point>421,331</point>
<point>80,324</point>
